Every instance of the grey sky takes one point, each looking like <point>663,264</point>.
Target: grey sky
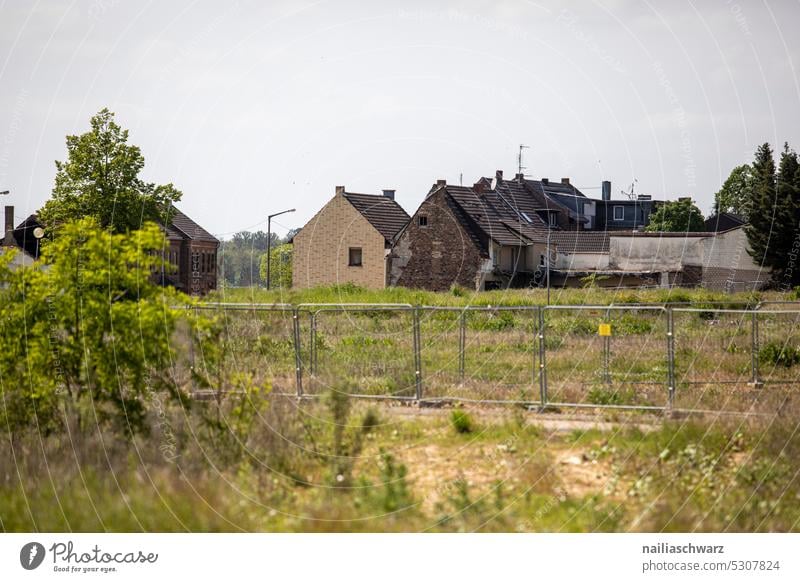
<point>253,107</point>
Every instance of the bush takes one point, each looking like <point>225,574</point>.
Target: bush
<point>779,354</point>
<point>609,396</point>
<point>462,421</point>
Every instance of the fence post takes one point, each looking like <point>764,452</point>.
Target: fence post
<point>462,344</point>
<point>670,360</point>
<point>754,347</point>
<point>313,347</point>
<point>417,355</point>
<point>542,361</point>
<point>298,362</point>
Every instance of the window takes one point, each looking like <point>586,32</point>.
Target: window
<point>354,257</point>
<point>553,218</point>
<point>619,213</point>
<point>422,220</point>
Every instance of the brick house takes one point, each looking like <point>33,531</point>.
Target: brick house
<point>191,250</point>
<point>348,241</point>
<point>478,237</point>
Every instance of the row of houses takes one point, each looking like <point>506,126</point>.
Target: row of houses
<point>501,233</point>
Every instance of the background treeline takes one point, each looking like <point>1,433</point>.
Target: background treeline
<point>242,260</point>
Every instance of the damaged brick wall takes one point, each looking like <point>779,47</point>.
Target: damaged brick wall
<point>437,251</point>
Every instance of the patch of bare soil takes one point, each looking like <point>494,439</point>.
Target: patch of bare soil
<point>434,469</point>
<point>580,475</point>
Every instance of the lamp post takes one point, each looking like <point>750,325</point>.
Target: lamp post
<point>548,262</point>
<point>269,238</point>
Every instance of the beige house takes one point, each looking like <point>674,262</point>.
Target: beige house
<point>348,241</point>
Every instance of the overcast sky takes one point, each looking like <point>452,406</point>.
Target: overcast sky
<point>253,107</point>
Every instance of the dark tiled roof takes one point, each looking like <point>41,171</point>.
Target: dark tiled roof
<point>188,227</point>
<point>724,221</point>
<point>660,234</point>
<point>579,241</point>
<point>386,215</point>
<point>23,235</point>
<point>495,216</point>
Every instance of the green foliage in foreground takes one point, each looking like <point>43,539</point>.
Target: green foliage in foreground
<point>303,471</point>
<point>85,333</point>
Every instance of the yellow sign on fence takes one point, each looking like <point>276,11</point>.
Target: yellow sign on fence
<point>604,329</point>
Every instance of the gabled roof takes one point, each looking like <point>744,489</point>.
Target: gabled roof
<point>182,224</point>
<point>386,215</point>
<point>496,216</point>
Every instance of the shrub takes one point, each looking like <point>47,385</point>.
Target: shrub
<point>603,395</point>
<point>779,354</point>
<point>462,421</point>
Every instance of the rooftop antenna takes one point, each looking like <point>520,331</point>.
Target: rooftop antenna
<point>519,158</point>
<point>631,194</point>
<point>461,179</point>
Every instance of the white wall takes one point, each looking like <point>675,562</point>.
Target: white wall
<point>649,253</point>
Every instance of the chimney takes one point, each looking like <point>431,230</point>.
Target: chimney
<point>499,175</point>
<point>606,189</point>
<point>681,199</point>
<point>8,240</point>
<point>340,189</point>
<point>441,182</point>
<point>565,181</point>
<point>519,178</point>
<point>388,194</point>
<point>545,180</point>
<point>644,197</point>
<point>479,186</point>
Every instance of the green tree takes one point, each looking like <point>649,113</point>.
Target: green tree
<point>86,334</point>
<point>101,179</point>
<point>280,267</point>
<point>676,216</point>
<point>735,194</point>
<point>787,215</point>
<point>774,229</point>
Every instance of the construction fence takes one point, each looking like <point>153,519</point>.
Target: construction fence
<point>640,357</point>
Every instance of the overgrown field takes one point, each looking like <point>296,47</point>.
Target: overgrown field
<point>722,360</point>
<point>276,464</point>
<point>458,296</point>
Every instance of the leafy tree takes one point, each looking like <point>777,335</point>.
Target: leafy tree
<point>676,216</point>
<point>101,179</point>
<point>735,194</point>
<point>280,267</point>
<point>86,329</point>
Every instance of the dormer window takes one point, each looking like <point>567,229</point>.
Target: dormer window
<point>619,213</point>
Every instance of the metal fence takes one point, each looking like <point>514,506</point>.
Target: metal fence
<point>639,357</point>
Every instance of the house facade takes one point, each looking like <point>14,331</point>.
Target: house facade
<point>190,249</point>
<point>348,241</point>
<point>477,237</point>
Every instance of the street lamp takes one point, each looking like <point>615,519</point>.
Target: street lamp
<point>269,237</point>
